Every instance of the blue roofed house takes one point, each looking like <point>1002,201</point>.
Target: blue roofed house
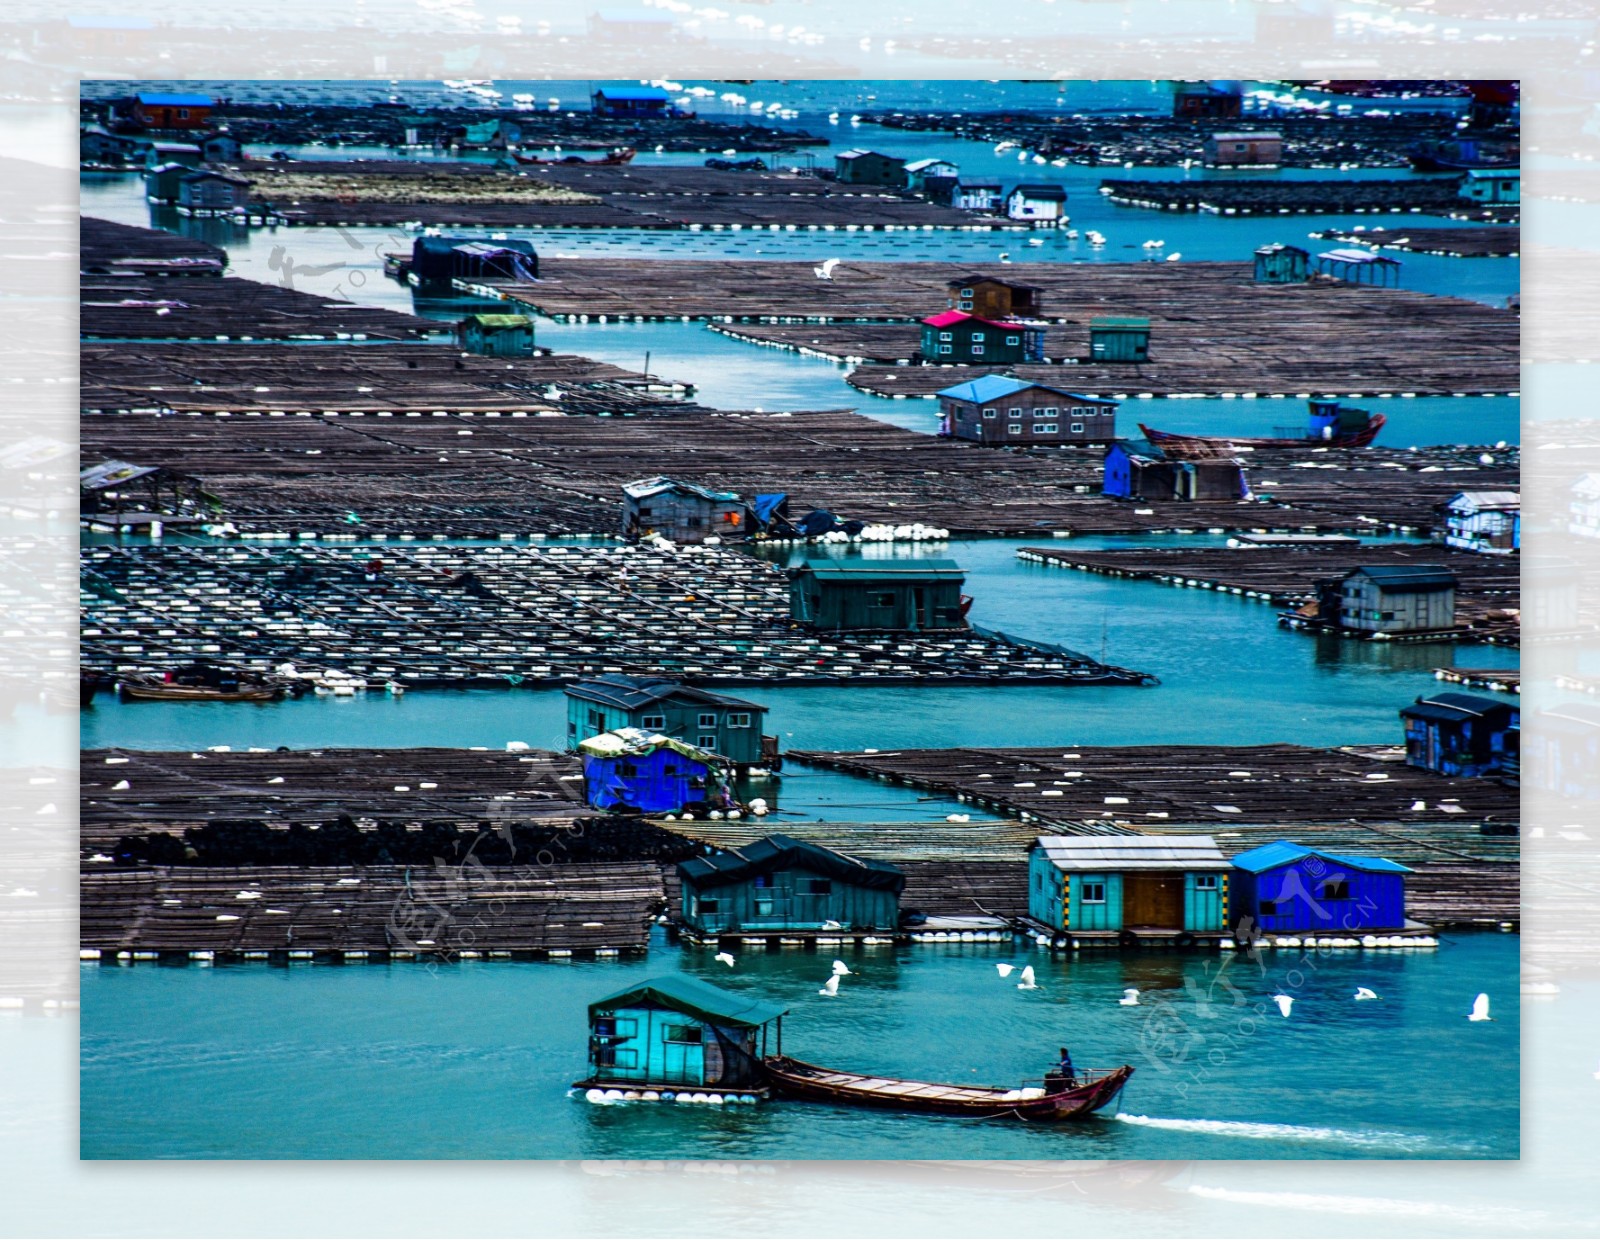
<point>633,102</point>
<point>729,727</point>
<point>166,110</point>
<point>680,1031</point>
<point>998,409</point>
<point>1287,887</point>
<point>780,883</point>
<point>1462,734</point>
<point>635,771</point>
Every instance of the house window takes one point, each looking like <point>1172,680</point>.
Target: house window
<point>707,906</point>
<point>1077,428</point>
<point>763,908</point>
<point>1045,428</point>
<point>820,886</point>
<point>966,292</point>
<point>1093,893</point>
<point>977,335</point>
<point>966,304</point>
<point>946,336</point>
<point>1205,882</point>
<point>597,720</point>
<point>976,349</point>
<point>761,880</point>
<point>988,413</point>
<point>944,348</point>
<point>708,719</point>
<point>1011,339</point>
<point>708,742</point>
<point>740,720</point>
<point>627,769</point>
<point>623,1057</point>
<point>884,599</point>
<point>1016,413</point>
<point>1049,412</point>
<point>689,1035</point>
<point>183,114</point>
<point>1336,889</point>
<point>572,731</point>
<point>1015,428</point>
<point>1269,908</point>
<point>653,721</point>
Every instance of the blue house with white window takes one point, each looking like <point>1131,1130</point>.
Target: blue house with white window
<point>998,410</point>
<point>779,883</point>
<point>1128,887</point>
<point>1285,887</point>
<point>726,726</point>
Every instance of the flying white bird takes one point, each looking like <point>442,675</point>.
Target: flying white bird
<point>840,969</point>
<point>1480,1009</point>
<point>725,957</point>
<point>825,272</point>
<point>1130,998</point>
<point>1363,993</point>
<point>1284,1003</point>
<point>830,987</point>
<point>1006,970</point>
<point>1027,982</point>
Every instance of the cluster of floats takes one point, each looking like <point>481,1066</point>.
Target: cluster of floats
<point>682,1040</point>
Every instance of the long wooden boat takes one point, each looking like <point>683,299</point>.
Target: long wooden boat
<point>611,159</point>
<point>1358,438</point>
<point>793,1078</point>
<point>198,693</point>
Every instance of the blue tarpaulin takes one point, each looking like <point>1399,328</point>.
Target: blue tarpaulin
<point>631,769</point>
<point>770,505</point>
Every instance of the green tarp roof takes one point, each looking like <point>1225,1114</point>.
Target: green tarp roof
<point>695,998</point>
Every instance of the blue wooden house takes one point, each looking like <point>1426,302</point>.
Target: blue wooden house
<point>783,884</point>
<point>1282,264</point>
<point>1286,887</point>
<point>638,771</point>
<point>679,1031</point>
<point>1137,469</point>
<point>1461,734</point>
<point>729,727</point>
<point>1128,886</point>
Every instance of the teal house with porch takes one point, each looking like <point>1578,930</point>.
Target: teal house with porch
<point>679,1031</point>
<point>1128,886</point>
<point>781,884</point>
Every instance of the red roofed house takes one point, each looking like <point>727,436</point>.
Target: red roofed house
<point>956,338</point>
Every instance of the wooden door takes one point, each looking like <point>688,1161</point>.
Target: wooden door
<point>1153,900</point>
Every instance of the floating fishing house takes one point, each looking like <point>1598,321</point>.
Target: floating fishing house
<point>635,771</point>
<point>1043,204</point>
<point>164,110</point>
<point>1485,521</point>
<point>1207,100</point>
<point>496,335</point>
<point>859,167</point>
<point>782,884</point>
<point>185,153</point>
<point>1119,338</point>
<point>631,102</point>
<point>438,261</point>
<point>1129,888</point>
<point>1391,598</point>
<point>956,338</point>
<point>212,191</point>
<point>673,1032</point>
<point>974,195</point>
<point>921,172</point>
<point>998,409</point>
<point>910,596</point>
<point>1462,734</point>
<point>1492,185</point>
<point>680,511</point>
<point>1282,264</point>
<point>1286,887</point>
<point>989,298</point>
<point>120,491</point>
<point>1359,266</point>
<point>221,148</point>
<point>1136,469</point>
<point>728,727</point>
<point>161,181</point>
<point>1231,149</point>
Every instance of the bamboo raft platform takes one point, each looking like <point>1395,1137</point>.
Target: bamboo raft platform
<point>108,248</point>
<point>1496,679</point>
<point>1286,575</point>
<point>435,616</point>
<point>647,197</point>
<point>1491,241</point>
<point>246,379</point>
<point>229,308</point>
<point>1417,196</point>
<point>359,914</point>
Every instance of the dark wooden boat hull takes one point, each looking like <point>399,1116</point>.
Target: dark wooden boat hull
<point>614,159</point>
<point>792,1078</point>
<point>196,693</point>
<point>1354,439</point>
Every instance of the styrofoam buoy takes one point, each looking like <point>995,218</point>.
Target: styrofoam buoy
<point>595,1095</point>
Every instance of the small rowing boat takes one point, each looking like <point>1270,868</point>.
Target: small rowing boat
<point>197,693</point>
<point>1076,1098</point>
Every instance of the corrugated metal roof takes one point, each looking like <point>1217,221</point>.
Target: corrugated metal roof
<point>1453,706</point>
<point>696,998</point>
<point>632,692</point>
<point>160,99</point>
<point>635,94</point>
<point>1479,501</point>
<point>919,165</point>
<point>1408,576</point>
<point>1358,256</point>
<point>998,387</point>
<point>1051,192</point>
<point>1286,852</point>
<point>112,473</point>
<point>644,488</point>
<point>949,318</point>
<point>1118,320</point>
<point>1248,137</point>
<point>1132,852</point>
<point>783,852</point>
<point>825,569</point>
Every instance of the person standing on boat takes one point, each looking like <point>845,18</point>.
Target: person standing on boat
<point>1063,1075</point>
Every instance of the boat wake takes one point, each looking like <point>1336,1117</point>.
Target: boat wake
<point>1356,1138</point>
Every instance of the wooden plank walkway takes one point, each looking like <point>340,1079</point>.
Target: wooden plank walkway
<point>106,247</point>
<point>1413,195</point>
<point>1491,241</point>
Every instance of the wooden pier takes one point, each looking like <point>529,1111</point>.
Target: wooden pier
<point>1416,196</point>
<point>1286,576</point>
<point>428,616</point>
<point>1491,241</point>
<point>108,248</point>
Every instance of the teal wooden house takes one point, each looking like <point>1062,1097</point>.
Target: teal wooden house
<point>679,1031</point>
<point>1282,264</point>
<point>726,726</point>
<point>783,884</point>
<point>910,596</point>
<point>1128,886</point>
<point>1119,338</point>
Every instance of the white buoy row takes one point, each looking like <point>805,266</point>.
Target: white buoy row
<point>610,1097</point>
<point>963,936</point>
<point>1328,942</point>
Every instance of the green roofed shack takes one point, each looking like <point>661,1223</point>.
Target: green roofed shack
<point>1118,338</point>
<point>897,595</point>
<point>498,335</point>
<point>679,1031</point>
